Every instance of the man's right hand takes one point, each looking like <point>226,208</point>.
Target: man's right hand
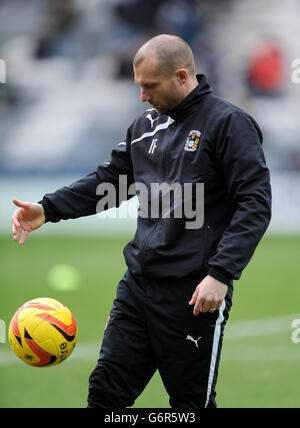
<point>28,217</point>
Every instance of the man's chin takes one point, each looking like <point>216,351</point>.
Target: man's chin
<point>160,110</point>
<point>155,107</point>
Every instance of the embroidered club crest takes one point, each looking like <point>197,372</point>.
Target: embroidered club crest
<point>192,141</point>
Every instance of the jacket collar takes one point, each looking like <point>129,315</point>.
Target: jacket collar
<point>191,101</point>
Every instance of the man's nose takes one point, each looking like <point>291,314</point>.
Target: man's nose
<point>144,96</point>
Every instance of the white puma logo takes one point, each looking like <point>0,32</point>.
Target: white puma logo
<point>188,337</point>
<point>151,119</point>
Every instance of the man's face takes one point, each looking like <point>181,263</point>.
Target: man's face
<point>163,92</point>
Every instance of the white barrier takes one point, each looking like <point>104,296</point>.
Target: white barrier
<point>286,203</point>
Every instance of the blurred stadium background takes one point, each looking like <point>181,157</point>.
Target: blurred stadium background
<point>68,99</point>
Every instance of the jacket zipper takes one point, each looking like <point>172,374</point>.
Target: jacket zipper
<point>147,240</point>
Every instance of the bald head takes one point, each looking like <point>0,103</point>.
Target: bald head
<point>164,69</point>
<point>171,52</point>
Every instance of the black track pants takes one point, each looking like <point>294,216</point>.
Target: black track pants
<point>151,326</point>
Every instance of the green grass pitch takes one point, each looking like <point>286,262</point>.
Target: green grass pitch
<point>260,362</point>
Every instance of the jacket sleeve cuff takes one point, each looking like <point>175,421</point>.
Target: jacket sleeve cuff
<point>220,274</point>
<point>50,214</point>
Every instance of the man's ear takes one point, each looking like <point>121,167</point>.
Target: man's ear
<point>182,75</point>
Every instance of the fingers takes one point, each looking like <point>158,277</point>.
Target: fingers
<point>16,227</point>
<point>19,233</point>
<point>20,204</point>
<point>16,233</point>
<point>208,296</point>
<point>209,304</point>
<point>15,222</point>
<point>196,301</point>
<point>205,305</point>
<point>24,237</point>
<point>193,299</point>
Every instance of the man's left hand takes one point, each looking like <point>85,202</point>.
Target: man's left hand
<point>208,296</point>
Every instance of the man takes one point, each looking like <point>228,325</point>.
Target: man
<point>173,302</point>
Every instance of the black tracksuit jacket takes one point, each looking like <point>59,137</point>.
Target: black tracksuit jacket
<point>229,160</point>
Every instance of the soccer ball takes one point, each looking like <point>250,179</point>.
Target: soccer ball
<point>43,332</point>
